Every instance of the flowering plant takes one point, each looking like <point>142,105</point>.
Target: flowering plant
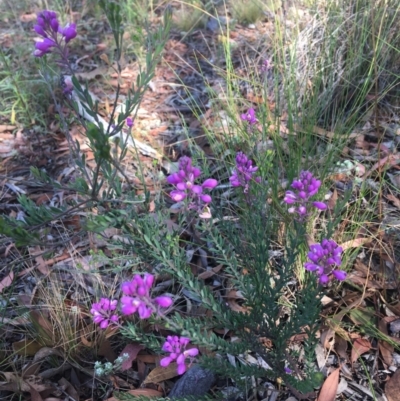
<point>242,248</point>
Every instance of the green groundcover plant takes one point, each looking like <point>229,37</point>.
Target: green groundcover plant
<point>241,245</point>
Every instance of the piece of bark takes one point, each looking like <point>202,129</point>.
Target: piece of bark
<point>195,382</point>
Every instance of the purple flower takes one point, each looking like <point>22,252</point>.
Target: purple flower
<point>250,116</point>
<point>103,312</point>
<point>129,122</point>
<point>266,65</point>
<point>45,45</point>
<point>242,175</point>
<point>69,32</point>
<point>137,297</point>
<point>131,305</point>
<point>163,301</point>
<point>186,188</point>
<point>324,258</point>
<point>39,30</point>
<point>67,86</point>
<point>175,346</point>
<point>304,188</point>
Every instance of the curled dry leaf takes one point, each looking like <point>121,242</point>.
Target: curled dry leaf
<point>26,347</point>
<point>330,387</point>
<point>132,350</point>
<point>6,282</point>
<point>355,243</point>
<point>385,348</point>
<point>160,373</point>
<point>360,346</point>
<point>392,388</point>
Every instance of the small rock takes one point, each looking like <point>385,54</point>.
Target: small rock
<point>395,326</point>
<point>195,382</point>
<point>251,26</point>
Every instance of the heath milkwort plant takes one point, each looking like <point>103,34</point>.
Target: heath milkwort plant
<point>186,188</point>
<point>324,260</point>
<point>299,200</point>
<point>54,37</point>
<point>243,173</point>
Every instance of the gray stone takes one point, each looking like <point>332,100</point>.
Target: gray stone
<point>195,382</point>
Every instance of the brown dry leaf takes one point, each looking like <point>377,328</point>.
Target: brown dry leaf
<point>132,350</point>
<point>45,352</point>
<point>394,199</point>
<point>26,347</point>
<point>160,373</point>
<point>209,273</point>
<point>341,346</point>
<point>6,282</point>
<point>141,369</point>
<point>86,342</point>
<point>53,399</point>
<point>236,307</point>
<point>44,327</point>
<point>28,17</point>
<point>360,346</point>
<point>364,282</point>
<point>330,386</point>
<point>106,350</point>
<point>31,369</point>
<point>4,128</point>
<point>355,243</point>
<point>385,348</point>
<point>331,203</point>
<point>148,358</point>
<point>392,388</point>
<point>327,338</point>
<point>35,396</point>
<point>36,252</point>
<point>99,71</point>
<point>385,162</point>
<point>69,388</point>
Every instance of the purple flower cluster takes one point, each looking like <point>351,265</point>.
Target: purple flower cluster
<point>137,297</point>
<point>49,28</point>
<point>304,188</point>
<point>325,257</point>
<point>242,174</point>
<point>104,312</point>
<point>176,346</point>
<point>250,117</point>
<point>184,182</point>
